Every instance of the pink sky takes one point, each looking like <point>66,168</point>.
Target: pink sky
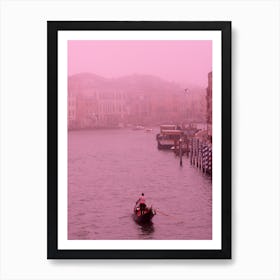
<point>180,61</point>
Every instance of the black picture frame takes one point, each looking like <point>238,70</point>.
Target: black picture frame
<point>53,27</point>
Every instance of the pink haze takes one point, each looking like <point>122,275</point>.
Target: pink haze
<point>113,127</point>
<point>184,61</point>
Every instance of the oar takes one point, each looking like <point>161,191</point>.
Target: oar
<point>162,212</point>
<point>168,215</point>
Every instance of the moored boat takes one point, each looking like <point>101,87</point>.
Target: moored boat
<point>146,217</point>
<point>139,127</point>
<point>168,139</point>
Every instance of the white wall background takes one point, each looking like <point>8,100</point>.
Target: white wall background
<point>255,101</point>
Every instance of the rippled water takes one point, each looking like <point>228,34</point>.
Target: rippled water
<point>109,169</point>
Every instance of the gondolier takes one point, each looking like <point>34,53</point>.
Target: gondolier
<point>142,203</point>
<point>141,213</point>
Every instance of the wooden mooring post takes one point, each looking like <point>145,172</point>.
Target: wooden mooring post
<point>180,151</point>
<point>200,153</point>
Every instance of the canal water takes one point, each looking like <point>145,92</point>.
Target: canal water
<point>107,172</point>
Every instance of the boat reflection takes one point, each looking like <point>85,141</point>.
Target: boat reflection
<point>147,229</point>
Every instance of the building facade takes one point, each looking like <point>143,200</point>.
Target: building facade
<point>72,109</point>
<point>209,105</point>
<point>94,108</point>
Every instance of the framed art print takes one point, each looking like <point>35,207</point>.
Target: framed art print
<point>139,140</point>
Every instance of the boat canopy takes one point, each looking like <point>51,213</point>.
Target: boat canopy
<point>167,127</point>
<point>172,132</point>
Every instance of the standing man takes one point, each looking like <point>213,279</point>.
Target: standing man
<point>142,203</point>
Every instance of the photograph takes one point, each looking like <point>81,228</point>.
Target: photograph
<point>139,132</point>
<point>139,149</point>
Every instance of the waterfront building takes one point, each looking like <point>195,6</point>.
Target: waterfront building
<point>87,110</point>
<point>99,108</point>
<point>98,102</point>
<point>112,107</point>
<point>209,105</point>
<point>72,109</point>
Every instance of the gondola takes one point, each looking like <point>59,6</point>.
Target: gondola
<point>146,217</point>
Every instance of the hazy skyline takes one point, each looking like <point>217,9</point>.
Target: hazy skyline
<point>184,62</point>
